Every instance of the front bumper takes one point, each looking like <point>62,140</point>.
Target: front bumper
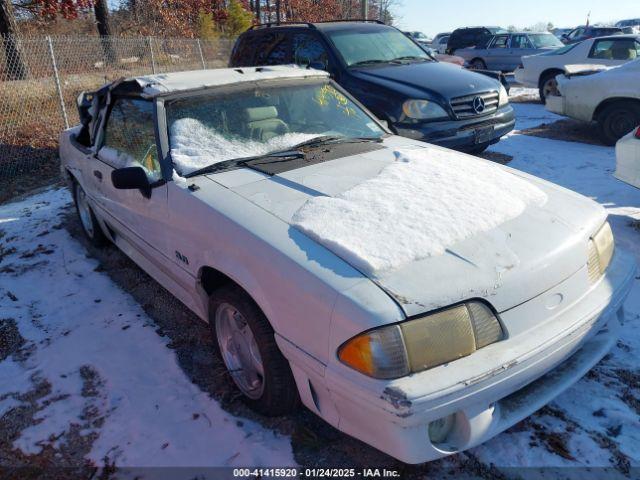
<point>520,76</point>
<point>556,104</point>
<point>394,416</point>
<point>462,134</point>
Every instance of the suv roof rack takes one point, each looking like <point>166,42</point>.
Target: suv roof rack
<point>313,24</point>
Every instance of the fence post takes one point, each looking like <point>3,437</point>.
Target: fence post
<point>57,78</point>
<point>204,66</point>
<point>153,59</point>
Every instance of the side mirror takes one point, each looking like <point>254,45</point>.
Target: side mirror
<point>130,178</point>
<point>384,123</point>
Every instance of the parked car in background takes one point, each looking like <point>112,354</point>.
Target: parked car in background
<point>393,76</point>
<point>586,32</point>
<point>633,24</point>
<point>611,98</point>
<point>504,51</point>
<point>628,158</point>
<point>539,71</point>
<point>454,59</point>
<point>439,43</point>
<point>559,32</point>
<point>416,298</point>
<point>419,37</point>
<point>471,37</point>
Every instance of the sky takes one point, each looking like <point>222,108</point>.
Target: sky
<point>431,16</point>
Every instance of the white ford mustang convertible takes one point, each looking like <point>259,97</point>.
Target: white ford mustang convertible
<point>416,298</point>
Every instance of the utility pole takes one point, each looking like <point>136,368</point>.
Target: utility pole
<point>258,16</point>
<point>278,11</point>
<point>364,9</point>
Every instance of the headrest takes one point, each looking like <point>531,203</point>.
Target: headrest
<point>257,114</point>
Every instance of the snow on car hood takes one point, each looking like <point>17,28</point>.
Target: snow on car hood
<point>535,244</point>
<point>416,207</point>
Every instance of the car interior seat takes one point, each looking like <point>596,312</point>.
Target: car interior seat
<point>622,51</point>
<point>263,123</point>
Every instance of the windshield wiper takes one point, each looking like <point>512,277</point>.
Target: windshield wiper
<point>288,154</point>
<point>368,62</point>
<point>409,57</point>
<point>334,139</point>
<point>239,162</point>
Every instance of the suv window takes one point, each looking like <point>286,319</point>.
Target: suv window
<point>615,49</point>
<point>271,49</point>
<point>500,41</point>
<point>576,33</point>
<point>129,138</point>
<point>520,41</point>
<point>308,49</point>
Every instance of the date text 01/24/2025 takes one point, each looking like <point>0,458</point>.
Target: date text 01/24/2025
<point>315,473</point>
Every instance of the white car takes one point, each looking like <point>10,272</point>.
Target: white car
<point>628,158</point>
<point>419,299</point>
<point>439,42</point>
<point>610,97</point>
<point>540,71</point>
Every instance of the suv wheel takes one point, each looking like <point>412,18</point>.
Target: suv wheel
<point>616,120</point>
<point>247,346</point>
<point>549,85</point>
<point>478,64</point>
<point>88,221</point>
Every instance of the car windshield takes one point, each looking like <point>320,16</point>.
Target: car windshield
<point>563,50</point>
<point>210,128</point>
<point>383,45</point>
<point>544,40</point>
<point>419,36</point>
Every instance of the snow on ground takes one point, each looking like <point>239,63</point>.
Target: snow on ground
<point>104,360</point>
<point>99,351</point>
<point>599,417</point>
<point>463,199</point>
<point>518,93</point>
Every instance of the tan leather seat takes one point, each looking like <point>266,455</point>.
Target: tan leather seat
<point>263,123</point>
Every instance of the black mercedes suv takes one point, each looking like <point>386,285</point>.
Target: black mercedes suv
<point>392,76</point>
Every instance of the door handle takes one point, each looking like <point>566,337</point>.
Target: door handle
<point>98,174</point>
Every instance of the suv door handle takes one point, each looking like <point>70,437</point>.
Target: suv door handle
<point>98,174</point>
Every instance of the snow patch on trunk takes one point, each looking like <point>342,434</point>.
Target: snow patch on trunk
<point>416,207</point>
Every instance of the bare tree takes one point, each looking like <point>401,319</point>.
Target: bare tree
<point>9,30</point>
<point>101,12</point>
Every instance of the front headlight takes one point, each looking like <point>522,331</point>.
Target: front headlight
<point>413,346</point>
<point>503,98</point>
<point>601,247</point>
<point>423,110</point>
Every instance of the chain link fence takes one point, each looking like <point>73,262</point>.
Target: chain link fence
<point>41,77</point>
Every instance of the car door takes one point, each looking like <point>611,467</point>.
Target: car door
<point>496,52</point>
<point>519,46</point>
<point>613,51</point>
<point>129,140</point>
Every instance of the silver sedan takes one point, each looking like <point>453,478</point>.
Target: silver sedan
<point>503,52</point>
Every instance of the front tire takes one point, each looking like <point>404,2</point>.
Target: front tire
<point>477,64</point>
<point>246,344</point>
<point>549,85</point>
<point>88,220</point>
<point>616,120</point>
